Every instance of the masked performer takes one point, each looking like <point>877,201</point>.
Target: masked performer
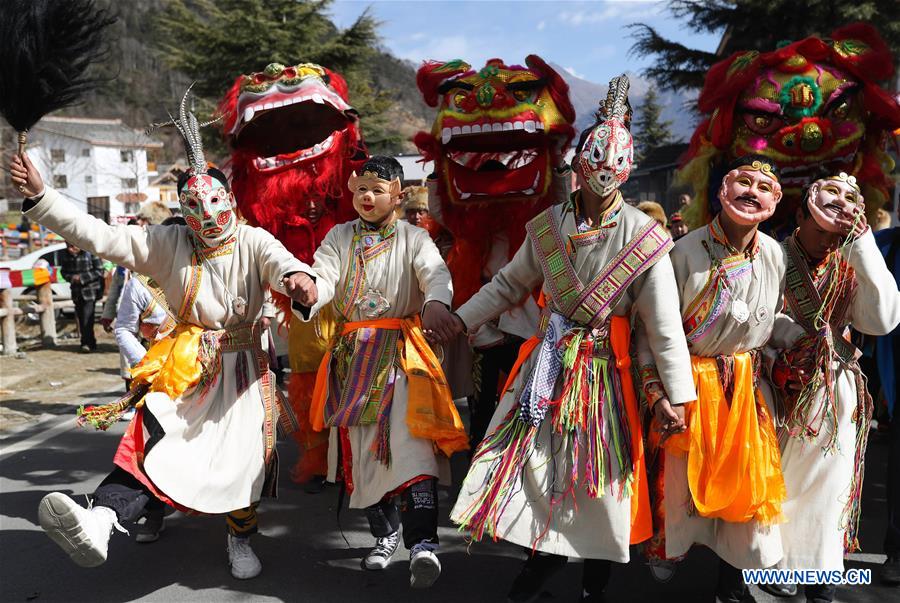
<point>723,482</point>
<point>203,438</point>
<point>562,470</point>
<point>835,277</point>
<point>381,384</point>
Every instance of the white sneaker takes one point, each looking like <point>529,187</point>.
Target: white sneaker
<point>82,533</point>
<point>243,561</point>
<point>380,556</point>
<point>424,567</point>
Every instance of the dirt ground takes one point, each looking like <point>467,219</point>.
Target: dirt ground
<point>39,381</point>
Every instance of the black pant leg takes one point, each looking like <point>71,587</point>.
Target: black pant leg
<point>84,314</point>
<point>820,593</point>
<point>730,587</point>
<point>384,518</point>
<point>892,535</point>
<point>596,575</point>
<point>419,513</point>
<point>494,360</point>
<point>87,328</point>
<point>124,494</point>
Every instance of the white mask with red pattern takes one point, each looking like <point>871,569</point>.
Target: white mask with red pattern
<point>607,157</point>
<point>208,209</point>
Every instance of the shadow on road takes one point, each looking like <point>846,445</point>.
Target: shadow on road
<point>304,556</point>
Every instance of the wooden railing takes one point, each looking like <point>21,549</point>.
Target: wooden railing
<point>41,304</point>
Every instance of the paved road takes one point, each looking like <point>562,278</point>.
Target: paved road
<point>304,555</point>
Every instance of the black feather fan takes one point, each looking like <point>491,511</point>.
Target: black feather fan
<point>46,47</point>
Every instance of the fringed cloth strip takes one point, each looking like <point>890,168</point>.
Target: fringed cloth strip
<point>188,357</point>
<point>819,300</point>
<point>509,447</point>
<point>430,413</point>
<point>734,464</point>
<point>819,304</point>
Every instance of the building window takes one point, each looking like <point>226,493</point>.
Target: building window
<point>129,182</point>
<point>57,155</point>
<point>126,155</point>
<point>86,152</point>
<point>60,181</point>
<point>88,179</point>
<point>99,207</point>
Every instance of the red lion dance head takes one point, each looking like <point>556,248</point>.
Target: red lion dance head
<point>295,140</point>
<point>496,143</point>
<point>814,105</point>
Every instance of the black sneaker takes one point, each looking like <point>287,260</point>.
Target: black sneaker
<point>149,526</point>
<point>315,485</point>
<point>380,556</point>
<point>529,584</point>
<point>890,571</point>
<point>779,590</point>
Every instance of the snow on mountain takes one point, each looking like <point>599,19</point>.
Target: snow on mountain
<point>586,96</point>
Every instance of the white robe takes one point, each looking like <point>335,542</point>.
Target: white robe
<point>211,458</point>
<point>743,545</point>
<point>601,527</point>
<point>410,275</point>
<point>818,483</point>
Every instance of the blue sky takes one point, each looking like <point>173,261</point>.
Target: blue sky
<point>590,39</point>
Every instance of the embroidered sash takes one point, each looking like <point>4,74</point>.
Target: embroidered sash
<point>805,300</point>
<point>355,278</point>
<point>592,304</point>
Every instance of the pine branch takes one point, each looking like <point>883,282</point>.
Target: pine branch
<point>677,65</point>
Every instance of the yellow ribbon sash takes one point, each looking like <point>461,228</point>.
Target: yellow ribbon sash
<point>734,464</point>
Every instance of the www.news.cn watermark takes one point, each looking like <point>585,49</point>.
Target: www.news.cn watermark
<point>852,577</point>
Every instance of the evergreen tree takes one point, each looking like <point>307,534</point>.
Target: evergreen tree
<point>214,41</point>
<point>752,25</point>
<point>650,130</point>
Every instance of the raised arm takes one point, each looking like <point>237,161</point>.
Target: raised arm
<point>507,289</point>
<point>128,246</point>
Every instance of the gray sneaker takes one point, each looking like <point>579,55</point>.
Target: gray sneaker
<point>243,561</point>
<point>424,566</point>
<point>380,556</point>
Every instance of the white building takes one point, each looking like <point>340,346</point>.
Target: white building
<point>101,164</point>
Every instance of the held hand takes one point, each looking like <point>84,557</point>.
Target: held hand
<point>669,418</point>
<point>301,288</point>
<point>106,323</point>
<point>264,322</point>
<point>852,219</point>
<point>25,177</point>
<point>76,278</point>
<point>438,324</point>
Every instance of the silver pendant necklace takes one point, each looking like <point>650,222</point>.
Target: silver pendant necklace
<point>238,303</point>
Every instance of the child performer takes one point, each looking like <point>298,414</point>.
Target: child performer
<point>561,470</point>
<point>381,385</point>
<point>835,277</point>
<point>723,483</point>
<point>203,439</point>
